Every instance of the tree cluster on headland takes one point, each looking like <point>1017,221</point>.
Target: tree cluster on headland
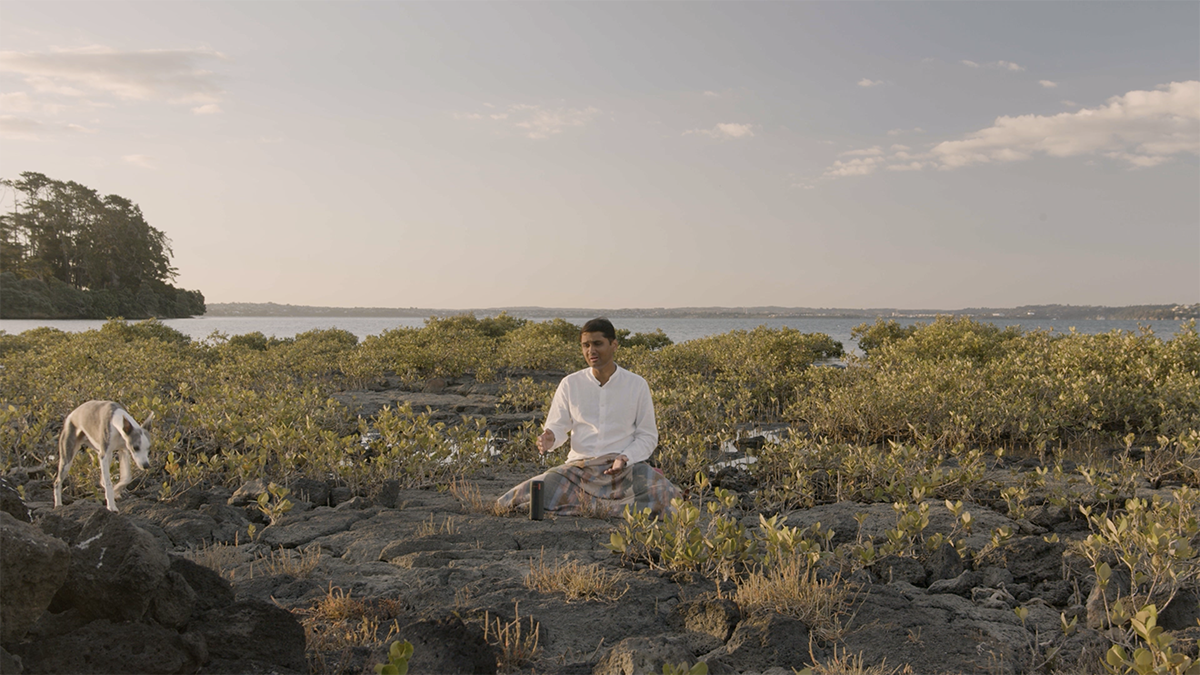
<point>66,252</point>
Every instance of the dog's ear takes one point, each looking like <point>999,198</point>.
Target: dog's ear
<point>148,421</point>
<point>127,425</point>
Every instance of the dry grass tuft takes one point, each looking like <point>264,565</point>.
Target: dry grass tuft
<point>516,642</point>
<point>221,558</point>
<point>474,502</point>
<point>794,590</point>
<point>299,564</point>
<point>852,664</point>
<point>339,621</point>
<point>431,527</point>
<point>576,581</point>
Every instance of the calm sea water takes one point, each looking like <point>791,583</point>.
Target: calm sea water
<point>678,329</point>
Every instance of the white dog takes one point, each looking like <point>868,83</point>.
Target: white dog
<point>107,428</point>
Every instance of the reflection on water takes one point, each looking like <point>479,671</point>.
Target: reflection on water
<point>678,329</point>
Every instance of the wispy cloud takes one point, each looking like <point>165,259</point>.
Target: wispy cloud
<point>27,129</point>
<point>725,130</point>
<point>901,132</point>
<point>64,83</point>
<point>21,128</point>
<point>140,160</point>
<point>534,120</point>
<point>1048,84</point>
<point>994,65</point>
<point>868,82</point>
<point>1139,128</point>
<point>712,94</point>
<point>172,75</point>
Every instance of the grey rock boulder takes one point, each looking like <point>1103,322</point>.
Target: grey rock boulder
<point>448,646</point>
<point>253,631</point>
<point>210,588</point>
<point>934,633</point>
<point>33,566</point>
<point>11,502</point>
<point>116,567</point>
<point>105,647</point>
<point>10,664</point>
<point>959,585</point>
<point>762,641</point>
<point>898,568</point>
<point>944,563</point>
<point>294,530</point>
<point>189,527</point>
<point>644,656</point>
<point>1030,559</point>
<point>715,617</point>
<point>174,601</point>
<point>1102,598</point>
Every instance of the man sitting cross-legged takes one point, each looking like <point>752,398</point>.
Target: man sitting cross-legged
<point>610,416</point>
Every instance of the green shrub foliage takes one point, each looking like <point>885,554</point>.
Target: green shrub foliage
<point>917,411</point>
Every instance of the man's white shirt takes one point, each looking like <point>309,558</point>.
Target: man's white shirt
<point>615,418</point>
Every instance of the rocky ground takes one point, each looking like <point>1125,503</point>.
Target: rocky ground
<point>207,583</point>
<point>149,590</point>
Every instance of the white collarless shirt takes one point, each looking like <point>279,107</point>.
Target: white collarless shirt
<point>617,417</point>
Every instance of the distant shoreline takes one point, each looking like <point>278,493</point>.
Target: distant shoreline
<point>1127,313</point>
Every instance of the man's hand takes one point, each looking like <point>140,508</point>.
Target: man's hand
<point>618,464</point>
<point>545,442</point>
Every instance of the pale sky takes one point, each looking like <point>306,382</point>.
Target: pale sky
<point>456,155</point>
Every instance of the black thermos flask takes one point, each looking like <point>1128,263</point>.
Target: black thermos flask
<point>535,500</point>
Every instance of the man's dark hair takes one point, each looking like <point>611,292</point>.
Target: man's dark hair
<point>600,325</point>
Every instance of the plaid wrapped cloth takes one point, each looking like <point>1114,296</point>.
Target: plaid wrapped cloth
<point>581,487</point>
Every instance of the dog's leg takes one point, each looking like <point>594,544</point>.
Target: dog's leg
<point>104,453</point>
<point>126,460</point>
<point>68,445</point>
<point>110,496</point>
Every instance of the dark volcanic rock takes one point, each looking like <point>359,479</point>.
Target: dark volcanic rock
<point>10,663</point>
<point>940,633</point>
<point>294,530</point>
<point>211,589</point>
<point>173,602</point>
<point>12,504</point>
<point>448,647</point>
<point>115,569</point>
<point>960,585</point>
<point>763,641</point>
<point>716,617</point>
<point>1029,559</point>
<point>316,492</point>
<point>33,566</point>
<point>643,656</point>
<point>1182,612</point>
<point>944,563</point>
<point>189,527</point>
<point>104,647</point>
<point>898,568</point>
<point>253,631</point>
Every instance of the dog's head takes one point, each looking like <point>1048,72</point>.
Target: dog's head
<point>138,439</point>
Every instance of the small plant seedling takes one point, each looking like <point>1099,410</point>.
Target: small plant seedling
<point>398,655</point>
<point>700,668</point>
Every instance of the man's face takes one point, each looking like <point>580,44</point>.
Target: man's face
<point>598,350</point>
